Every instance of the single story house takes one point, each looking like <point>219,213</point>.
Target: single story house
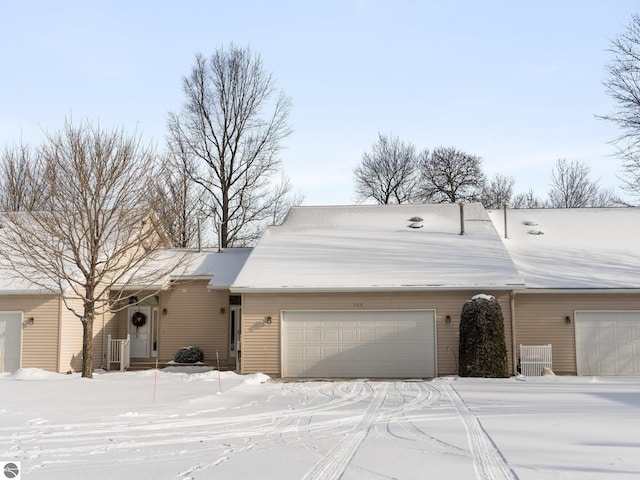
<point>370,291</point>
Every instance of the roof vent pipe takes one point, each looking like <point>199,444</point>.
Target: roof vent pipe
<point>219,237</point>
<point>199,218</point>
<point>461,218</point>
<point>505,205</point>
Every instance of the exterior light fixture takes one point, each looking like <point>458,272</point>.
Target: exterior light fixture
<point>30,321</point>
<point>222,310</point>
<point>567,319</point>
<point>164,311</point>
<point>268,320</point>
<point>447,319</point>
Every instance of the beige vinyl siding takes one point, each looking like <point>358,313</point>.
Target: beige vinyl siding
<point>194,317</point>
<point>540,320</point>
<point>106,324</point>
<point>71,339</point>
<point>40,340</point>
<point>261,342</point>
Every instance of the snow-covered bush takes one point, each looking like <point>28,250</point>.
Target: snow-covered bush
<point>483,348</point>
<point>189,355</point>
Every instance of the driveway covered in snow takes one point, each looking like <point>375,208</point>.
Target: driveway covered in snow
<point>179,424</point>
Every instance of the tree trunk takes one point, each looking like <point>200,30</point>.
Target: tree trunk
<point>87,343</point>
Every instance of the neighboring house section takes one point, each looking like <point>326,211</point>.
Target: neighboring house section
<point>192,307</point>
<point>368,290</point>
<point>581,268</point>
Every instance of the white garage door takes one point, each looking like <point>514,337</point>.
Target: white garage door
<point>352,344</point>
<point>10,341</point>
<point>608,342</point>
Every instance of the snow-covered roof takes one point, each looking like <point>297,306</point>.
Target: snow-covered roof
<point>580,248</point>
<point>12,284</point>
<point>371,247</point>
<point>226,265</point>
<point>220,268</point>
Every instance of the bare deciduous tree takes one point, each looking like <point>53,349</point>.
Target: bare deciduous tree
<point>93,231</point>
<point>450,175</point>
<point>283,200</point>
<point>527,199</point>
<point>182,202</point>
<point>498,191</point>
<point>232,125</point>
<point>571,187</point>
<point>387,174</point>
<point>623,86</point>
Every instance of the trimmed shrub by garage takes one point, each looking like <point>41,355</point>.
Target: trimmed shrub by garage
<point>483,348</point>
<point>189,354</point>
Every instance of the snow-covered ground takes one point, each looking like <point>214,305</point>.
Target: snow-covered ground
<point>197,423</point>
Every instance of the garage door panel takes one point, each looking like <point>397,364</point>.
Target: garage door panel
<point>359,343</point>
<point>607,342</point>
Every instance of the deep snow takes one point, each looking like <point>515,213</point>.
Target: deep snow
<point>199,423</point>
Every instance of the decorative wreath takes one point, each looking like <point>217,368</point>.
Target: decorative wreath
<point>138,319</point>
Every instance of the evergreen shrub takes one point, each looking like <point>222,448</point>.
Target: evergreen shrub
<point>482,348</point>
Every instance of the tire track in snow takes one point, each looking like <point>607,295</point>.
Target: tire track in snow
<point>488,461</point>
<point>333,465</point>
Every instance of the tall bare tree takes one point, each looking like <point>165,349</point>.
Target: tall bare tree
<point>182,203</point>
<point>388,173</point>
<point>623,86</point>
<point>572,187</point>
<point>498,191</point>
<point>232,125</point>
<point>93,231</point>
<point>450,175</point>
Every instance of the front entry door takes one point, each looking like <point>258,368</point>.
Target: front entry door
<point>140,333</point>
<point>235,312</point>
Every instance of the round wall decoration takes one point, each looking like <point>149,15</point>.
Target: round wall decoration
<point>138,319</point>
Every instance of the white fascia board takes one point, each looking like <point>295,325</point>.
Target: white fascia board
<point>582,291</point>
<point>407,288</point>
<point>28,292</point>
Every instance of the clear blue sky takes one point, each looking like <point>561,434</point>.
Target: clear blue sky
<point>516,82</point>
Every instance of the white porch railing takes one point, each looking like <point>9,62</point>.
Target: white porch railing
<point>119,351</point>
<point>534,358</point>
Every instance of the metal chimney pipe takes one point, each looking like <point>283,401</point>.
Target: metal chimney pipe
<point>461,218</point>
<point>199,233</point>
<point>219,237</point>
<point>505,205</point>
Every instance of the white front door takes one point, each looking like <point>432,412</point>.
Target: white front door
<point>235,312</point>
<point>140,333</point>
<point>10,341</point>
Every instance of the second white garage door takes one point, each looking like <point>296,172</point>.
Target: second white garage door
<point>352,344</point>
<point>608,342</point>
